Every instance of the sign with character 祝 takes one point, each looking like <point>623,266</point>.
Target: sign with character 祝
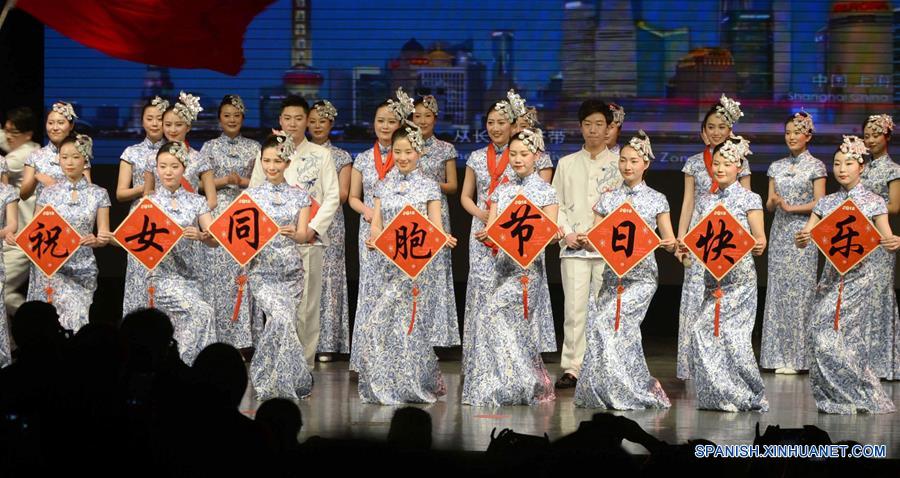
<point>48,240</point>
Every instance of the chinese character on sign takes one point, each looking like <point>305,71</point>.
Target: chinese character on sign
<point>623,238</point>
<point>410,241</point>
<point>716,243</point>
<point>556,136</point>
<point>522,230</point>
<point>462,136</point>
<point>48,240</point>
<point>481,136</point>
<point>719,241</point>
<point>845,236</point>
<point>148,234</point>
<point>243,229</point>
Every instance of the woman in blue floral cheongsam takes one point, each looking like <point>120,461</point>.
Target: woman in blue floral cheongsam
<point>840,370</point>
<point>396,362</point>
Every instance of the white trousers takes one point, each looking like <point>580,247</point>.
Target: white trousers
<point>310,305</point>
<point>581,277</point>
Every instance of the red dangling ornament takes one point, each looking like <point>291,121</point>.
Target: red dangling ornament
<point>241,281</point>
<point>619,290</point>
<point>718,294</point>
<point>412,322</point>
<point>837,310</point>
<point>524,281</point>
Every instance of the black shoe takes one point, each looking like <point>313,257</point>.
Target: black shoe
<point>566,381</point>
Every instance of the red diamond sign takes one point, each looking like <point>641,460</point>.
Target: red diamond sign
<point>48,240</point>
<point>846,236</point>
<point>522,231</point>
<point>148,234</point>
<point>410,241</point>
<point>243,229</point>
<point>623,238</point>
<point>719,241</point>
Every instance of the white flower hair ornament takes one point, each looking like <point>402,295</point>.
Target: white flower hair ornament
<point>179,150</point>
<point>403,106</point>
<point>326,110</point>
<point>729,110</point>
<point>161,104</point>
<point>85,146</point>
<point>414,135</point>
<point>854,147</point>
<point>430,102</point>
<point>516,103</point>
<point>641,144</point>
<point>533,139</point>
<point>188,106</point>
<point>618,114</point>
<point>286,146</point>
<point>506,110</point>
<point>803,122</point>
<point>65,109</point>
<point>881,124</point>
<point>531,117</point>
<point>237,102</point>
<point>736,149</point>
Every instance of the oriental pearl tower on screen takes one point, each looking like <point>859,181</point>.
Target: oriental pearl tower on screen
<point>302,79</point>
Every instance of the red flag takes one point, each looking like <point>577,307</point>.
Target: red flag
<point>175,33</point>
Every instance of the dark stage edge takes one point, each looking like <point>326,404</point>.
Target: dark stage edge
<point>334,410</point>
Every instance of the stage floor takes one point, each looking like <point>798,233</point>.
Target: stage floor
<point>334,410</point>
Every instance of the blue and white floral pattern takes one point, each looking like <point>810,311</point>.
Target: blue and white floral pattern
<point>334,315</point>
<point>8,194</point>
<point>278,368</point>
<point>840,373</point>
<point>505,366</point>
<point>792,272</point>
<point>692,288</point>
<point>614,373</point>
<point>724,368</point>
<point>395,366</point>
<point>224,156</point>
<point>75,282</point>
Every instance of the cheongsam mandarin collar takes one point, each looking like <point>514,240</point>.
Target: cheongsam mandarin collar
<point>730,190</point>
<point>395,174</point>
<point>149,144</point>
<point>237,138</point>
<point>796,159</point>
<point>383,150</point>
<point>280,187</point>
<point>52,148</point>
<point>429,142</point>
<point>520,181</point>
<point>326,144</point>
<point>79,185</point>
<point>856,191</point>
<point>882,159</point>
<point>499,149</point>
<point>637,189</point>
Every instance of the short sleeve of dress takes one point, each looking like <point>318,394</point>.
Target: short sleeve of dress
<point>688,167</point>
<point>12,195</point>
<point>745,170</point>
<point>771,171</point>
<point>661,203</point>
<point>601,207</point>
<point>379,189</point>
<point>879,207</point>
<point>754,201</point>
<point>470,161</point>
<point>819,208</point>
<point>102,196</point>
<point>818,170</point>
<point>31,159</point>
<point>432,191</point>
<point>548,195</point>
<point>357,162</point>
<point>543,162</point>
<point>303,198</point>
<point>201,207</point>
<point>893,173</point>
<point>452,154</point>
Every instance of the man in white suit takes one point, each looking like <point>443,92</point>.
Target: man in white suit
<point>311,168</point>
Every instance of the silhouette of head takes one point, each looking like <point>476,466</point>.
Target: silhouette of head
<point>282,418</point>
<point>36,326</point>
<point>146,336</point>
<point>220,372</point>
<point>410,429</point>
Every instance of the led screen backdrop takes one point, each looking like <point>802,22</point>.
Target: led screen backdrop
<point>664,61</point>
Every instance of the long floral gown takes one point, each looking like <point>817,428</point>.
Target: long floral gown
<point>884,332</point>
<point>74,283</point>
<point>8,194</point>
<point>840,373</point>
<point>791,285</point>
<point>443,329</point>
<point>141,157</point>
<point>692,287</point>
<point>177,280</point>
<point>226,155</point>
<point>396,366</point>
<point>278,368</point>
<point>505,366</point>
<point>724,368</point>
<point>614,373</point>
<point>334,316</point>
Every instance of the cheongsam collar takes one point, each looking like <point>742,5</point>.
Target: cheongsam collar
<point>149,144</point>
<point>730,190</point>
<point>52,148</point>
<point>855,192</point>
<point>637,189</point>
<point>281,187</point>
<point>384,150</point>
<point>796,159</point>
<point>884,158</point>
<point>164,193</point>
<point>396,175</point>
<point>231,141</point>
<point>326,144</point>
<point>499,149</point>
<point>79,185</point>
<point>515,179</point>
<point>429,142</point>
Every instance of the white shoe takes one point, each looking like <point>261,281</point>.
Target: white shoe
<point>788,371</point>
<point>324,358</point>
